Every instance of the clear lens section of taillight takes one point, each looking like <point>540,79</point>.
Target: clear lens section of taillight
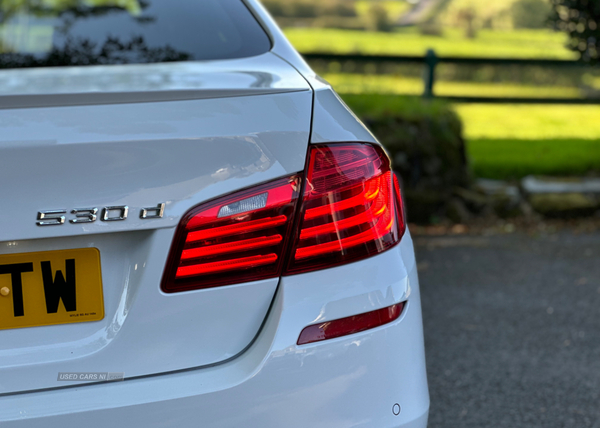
<point>235,239</point>
<point>349,210</point>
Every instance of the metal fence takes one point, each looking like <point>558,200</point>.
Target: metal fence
<point>431,61</point>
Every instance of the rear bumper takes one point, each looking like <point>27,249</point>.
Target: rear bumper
<point>353,381</point>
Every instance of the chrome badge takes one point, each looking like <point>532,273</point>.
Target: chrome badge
<point>90,215</point>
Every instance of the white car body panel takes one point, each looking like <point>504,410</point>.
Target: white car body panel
<point>333,121</point>
<point>140,154</point>
<point>275,383</point>
<point>135,83</point>
<point>180,153</point>
<point>144,331</point>
<point>183,134</point>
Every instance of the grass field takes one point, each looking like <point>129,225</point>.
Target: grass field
<point>503,141</point>
<point>488,43</point>
<point>388,84</point>
<point>512,141</point>
<point>529,122</point>
<point>507,159</point>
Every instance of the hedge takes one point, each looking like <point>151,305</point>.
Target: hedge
<point>424,140</point>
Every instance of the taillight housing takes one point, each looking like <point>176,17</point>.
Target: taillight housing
<point>238,238</point>
<point>350,208</point>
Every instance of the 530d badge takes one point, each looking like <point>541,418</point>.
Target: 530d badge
<point>90,215</point>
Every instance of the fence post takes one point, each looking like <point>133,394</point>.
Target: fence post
<point>431,61</point>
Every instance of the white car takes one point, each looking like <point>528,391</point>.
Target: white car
<point>195,229</point>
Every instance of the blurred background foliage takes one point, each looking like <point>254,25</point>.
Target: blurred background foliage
<point>526,29</point>
<point>498,141</point>
<point>580,19</point>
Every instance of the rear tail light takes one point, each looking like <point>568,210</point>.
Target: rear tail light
<point>234,239</point>
<point>350,210</point>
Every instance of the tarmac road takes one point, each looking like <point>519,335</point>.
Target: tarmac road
<point>512,329</point>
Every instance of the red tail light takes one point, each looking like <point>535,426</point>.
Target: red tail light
<point>234,239</point>
<point>349,211</point>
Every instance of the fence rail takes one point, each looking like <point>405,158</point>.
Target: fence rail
<point>431,61</point>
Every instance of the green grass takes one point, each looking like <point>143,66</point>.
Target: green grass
<point>529,122</point>
<point>508,141</point>
<point>389,84</point>
<point>512,141</point>
<point>410,108</point>
<point>503,141</point>
<point>488,43</point>
<point>513,158</point>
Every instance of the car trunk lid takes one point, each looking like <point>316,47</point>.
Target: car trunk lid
<point>121,140</point>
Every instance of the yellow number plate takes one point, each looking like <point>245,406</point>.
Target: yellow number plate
<point>52,287</point>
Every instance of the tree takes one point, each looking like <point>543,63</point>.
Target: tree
<point>377,18</point>
<point>467,16</point>
<point>530,13</point>
<point>54,8</point>
<point>580,19</point>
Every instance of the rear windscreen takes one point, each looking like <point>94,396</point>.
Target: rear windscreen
<point>42,33</point>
